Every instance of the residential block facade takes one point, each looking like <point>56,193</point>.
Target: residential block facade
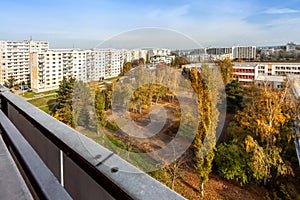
<point>14,59</point>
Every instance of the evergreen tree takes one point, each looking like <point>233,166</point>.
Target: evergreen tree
<point>64,110</point>
<point>100,110</point>
<point>234,95</point>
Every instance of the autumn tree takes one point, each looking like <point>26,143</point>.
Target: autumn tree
<point>127,67</point>
<point>179,61</point>
<point>264,118</point>
<point>262,132</point>
<point>205,139</point>
<point>226,69</point>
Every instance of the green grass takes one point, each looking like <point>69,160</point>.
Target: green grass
<point>140,160</point>
<point>29,94</point>
<point>44,103</point>
<point>112,126</point>
<point>33,94</point>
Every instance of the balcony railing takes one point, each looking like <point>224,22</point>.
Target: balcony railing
<point>58,162</point>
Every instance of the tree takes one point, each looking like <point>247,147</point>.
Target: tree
<point>81,104</point>
<point>263,120</point>
<point>175,168</point>
<point>11,81</point>
<point>179,61</point>
<point>65,115</point>
<point>100,110</point>
<point>234,95</point>
<point>64,110</point>
<point>230,159</point>
<point>226,69</point>
<point>108,96</point>
<point>204,86</point>
<point>127,67</point>
<point>141,61</point>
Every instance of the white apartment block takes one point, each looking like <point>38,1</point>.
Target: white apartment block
<point>14,59</point>
<point>161,59</point>
<point>244,53</point>
<point>158,52</point>
<point>135,54</point>
<point>105,63</point>
<point>48,68</point>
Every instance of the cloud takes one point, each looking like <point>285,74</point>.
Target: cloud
<point>280,11</point>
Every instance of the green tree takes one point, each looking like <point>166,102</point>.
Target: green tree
<point>108,96</point>
<point>234,95</point>
<point>100,110</point>
<point>84,118</point>
<point>81,104</point>
<point>230,159</point>
<point>11,81</point>
<point>64,110</point>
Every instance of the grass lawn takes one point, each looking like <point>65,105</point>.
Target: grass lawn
<point>44,103</point>
<point>32,94</point>
<point>140,160</point>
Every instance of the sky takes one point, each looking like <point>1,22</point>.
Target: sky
<point>211,23</point>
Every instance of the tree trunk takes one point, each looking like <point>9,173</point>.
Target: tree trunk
<point>173,182</point>
<point>202,189</point>
<point>265,180</point>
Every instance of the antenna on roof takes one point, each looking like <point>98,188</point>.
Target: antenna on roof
<point>31,38</point>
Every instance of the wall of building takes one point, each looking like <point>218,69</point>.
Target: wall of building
<point>14,59</point>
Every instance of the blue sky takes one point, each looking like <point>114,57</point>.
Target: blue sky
<point>82,23</point>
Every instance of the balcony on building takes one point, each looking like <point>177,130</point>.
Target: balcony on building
<point>42,158</point>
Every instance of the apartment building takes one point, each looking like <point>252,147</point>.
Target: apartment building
<point>105,63</point>
<point>50,67</point>
<point>158,52</point>
<point>244,53</point>
<point>219,51</point>
<point>14,59</point>
<point>135,54</point>
<point>161,59</point>
<point>245,72</point>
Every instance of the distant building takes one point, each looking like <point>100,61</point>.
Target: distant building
<point>290,46</point>
<point>219,51</point>
<point>161,59</point>
<point>135,54</point>
<point>158,52</point>
<point>244,53</point>
<point>14,59</point>
<point>105,63</point>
